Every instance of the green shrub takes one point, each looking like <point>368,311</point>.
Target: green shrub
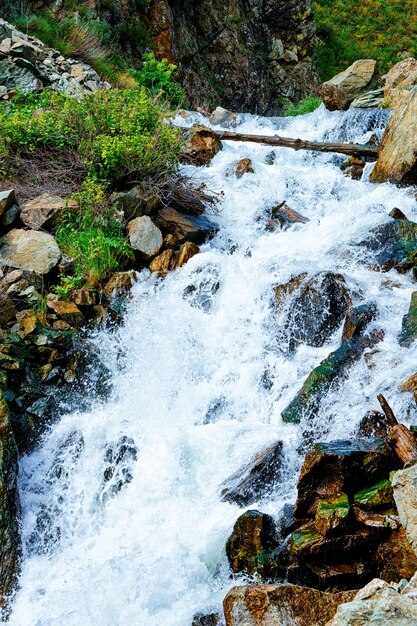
<point>158,77</point>
<point>309,104</point>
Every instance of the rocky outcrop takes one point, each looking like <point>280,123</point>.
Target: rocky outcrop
<point>280,605</point>
<point>339,92</point>
<point>397,152</point>
<point>29,65</point>
<point>398,83</point>
<point>243,55</point>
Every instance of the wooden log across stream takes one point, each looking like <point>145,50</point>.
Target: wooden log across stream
<point>351,149</point>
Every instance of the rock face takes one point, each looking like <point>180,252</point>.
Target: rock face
<point>243,55</point>
<point>339,92</point>
<point>397,152</point>
<point>9,504</point>
<point>31,250</point>
<point>404,484</point>
<point>27,64</point>
<point>280,605</point>
<point>399,81</point>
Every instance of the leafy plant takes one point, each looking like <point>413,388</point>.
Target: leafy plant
<point>308,105</point>
<point>158,77</point>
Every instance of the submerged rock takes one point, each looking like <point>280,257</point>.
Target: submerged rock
<point>339,92</point>
<point>257,479</point>
<point>280,605</point>
<point>252,539</point>
<point>207,619</point>
<point>244,166</point>
<point>286,216</point>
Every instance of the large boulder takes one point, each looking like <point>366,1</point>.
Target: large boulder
<point>391,245</point>
<point>397,152</point>
<point>186,227</point>
<point>201,145</point>
<point>253,537</point>
<point>379,604</point>
<point>404,484</point>
<point>9,505</point>
<point>136,202</point>
<point>257,479</point>
<point>44,211</point>
<point>399,81</point>
<point>281,605</point>
<point>31,250</point>
<point>144,236</point>
<point>339,92</point>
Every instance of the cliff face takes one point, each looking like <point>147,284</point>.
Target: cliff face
<point>246,55</point>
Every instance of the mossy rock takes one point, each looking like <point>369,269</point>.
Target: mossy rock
<point>332,513</point>
<point>409,325</point>
<point>303,539</point>
<point>377,496</point>
<point>392,245</point>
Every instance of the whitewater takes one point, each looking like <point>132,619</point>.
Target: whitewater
<point>200,375</point>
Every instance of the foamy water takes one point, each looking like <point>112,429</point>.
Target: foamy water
<point>188,368</point>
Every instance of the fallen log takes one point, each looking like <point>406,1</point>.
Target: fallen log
<point>351,149</point>
<point>404,443</point>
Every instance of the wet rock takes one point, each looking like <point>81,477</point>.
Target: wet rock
<point>9,505</point>
<point>84,297</point>
<point>411,385</point>
<point>385,518</point>
<point>280,605</point>
<point>339,92</point>
<point>308,544</point>
<point>375,497</point>
<point>119,458</point>
<point>136,202</point>
<point>31,250</point>
<point>144,236</point>
<point>286,216</point>
<point>392,245</point>
<point>353,168</point>
<point>257,479</point>
<point>202,291</point>
<point>409,325</point>
<point>341,466</point>
<point>317,309</point>
<point>201,145</point>
<point>306,403</point>
<point>396,558</point>
<point>373,424</point>
<point>207,619</point>
<point>68,311</point>
<point>404,485</point>
<point>357,319</point>
<point>244,166</point>
<point>397,153</point>
<point>331,514</point>
<point>120,284</point>
<point>165,262</point>
<point>377,604</point>
<point>252,539</point>
<point>186,227</point>
<point>373,99</point>
<point>7,199</point>
<point>44,211</point>
<point>397,214</point>
<point>186,252</point>
<point>223,117</point>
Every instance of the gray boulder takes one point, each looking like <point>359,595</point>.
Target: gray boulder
<point>144,236</point>
<point>30,250</point>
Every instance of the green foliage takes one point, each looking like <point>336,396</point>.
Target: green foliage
<point>94,236</point>
<point>309,104</point>
<point>158,77</point>
<point>377,29</point>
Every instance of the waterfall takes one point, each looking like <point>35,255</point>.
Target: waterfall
<point>122,521</point>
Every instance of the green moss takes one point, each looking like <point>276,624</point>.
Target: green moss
<point>379,495</point>
<point>409,326</point>
<point>304,538</point>
<point>331,513</point>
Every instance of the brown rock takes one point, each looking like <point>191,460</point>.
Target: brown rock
<point>187,251</point>
<point>201,145</point>
<point>165,262</point>
<point>185,227</point>
<point>286,216</point>
<point>68,311</point>
<point>400,79</point>
<point>84,297</point>
<point>339,92</point>
<point>253,537</point>
<point>244,167</point>
<point>120,284</point>
<point>396,557</point>
<point>281,605</point>
<point>44,211</point>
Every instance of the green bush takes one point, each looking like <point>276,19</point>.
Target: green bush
<point>309,104</point>
<point>349,30</point>
<point>158,77</point>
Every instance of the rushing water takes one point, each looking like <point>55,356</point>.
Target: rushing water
<point>189,367</point>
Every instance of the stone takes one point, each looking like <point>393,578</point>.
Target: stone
<point>252,539</point>
<point>257,479</point>
<point>186,252</point>
<point>286,216</point>
<point>10,216</point>
<point>397,152</point>
<point>30,250</point>
<point>68,311</point>
<point>44,211</point>
<point>186,227</point>
<point>306,403</point>
<point>410,385</point>
<point>357,319</point>
<point>396,558</point>
<point>331,513</point>
<point>185,198</point>
<point>353,168</point>
<point>120,284</point>
<point>84,297</point>
<point>244,166</point>
<point>207,619</point>
<point>136,202</point>
<point>280,605</point>
<point>223,117</point>
<point>391,245</point>
<point>375,497</point>
<point>144,236</point>
<point>377,604</point>
<point>7,199</point>
<point>404,485</point>
<point>397,214</point>
<point>341,467</point>
<point>339,92</point>
<point>386,518</point>
<point>317,309</point>
<point>18,76</point>
<point>373,99</point>
<point>399,81</point>
<point>409,324</point>
<point>201,145</point>
<point>165,262</point>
